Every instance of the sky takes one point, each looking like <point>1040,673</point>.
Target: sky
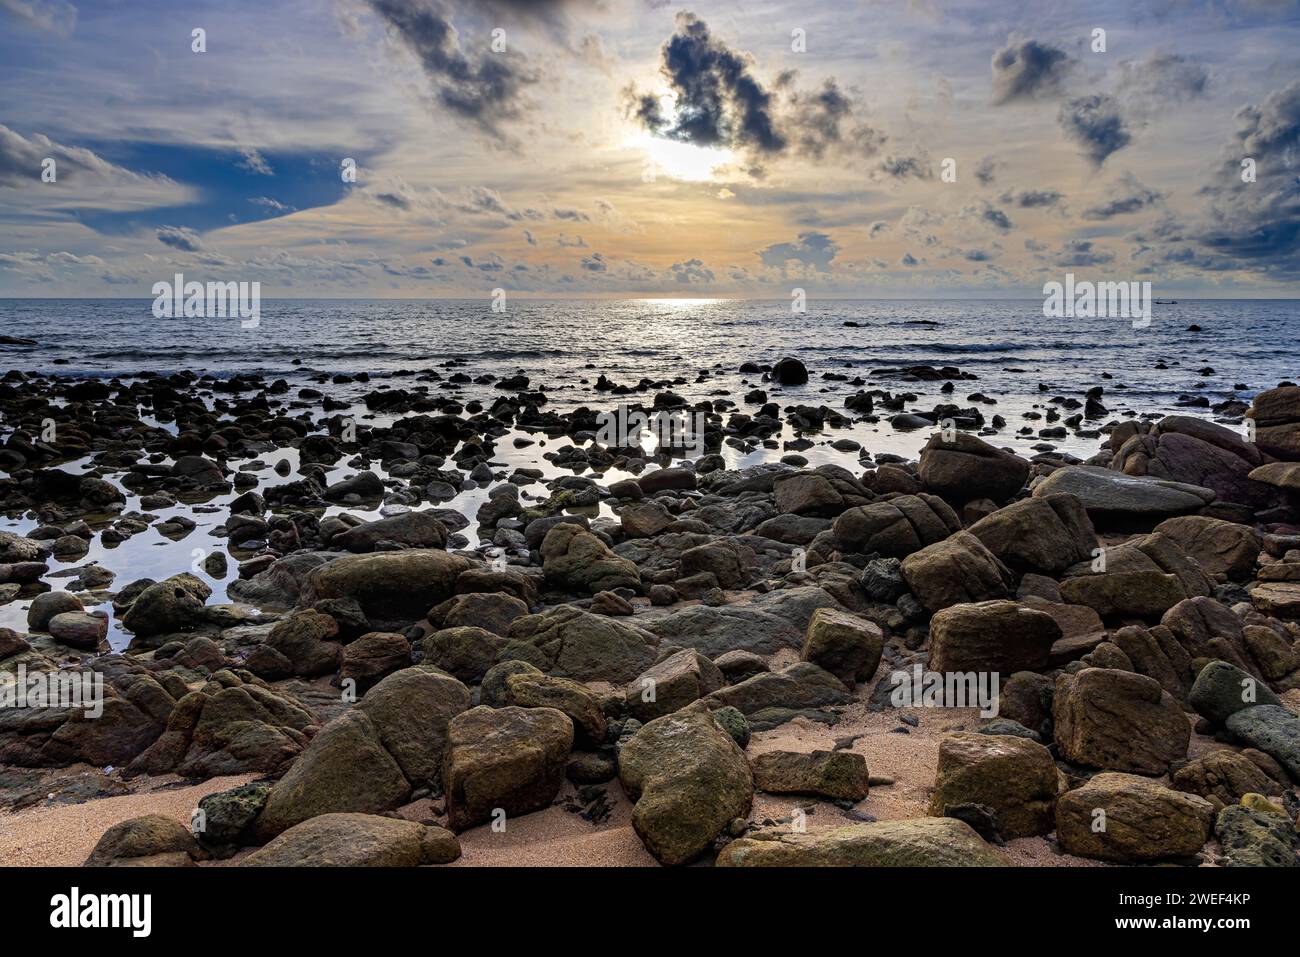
<point>594,148</point>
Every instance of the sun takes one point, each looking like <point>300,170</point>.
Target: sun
<point>677,160</point>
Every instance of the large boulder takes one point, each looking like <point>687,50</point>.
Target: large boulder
<point>1044,535</point>
<point>504,759</point>
<point>357,840</point>
<point>1197,452</point>
<point>572,643</point>
<point>1224,777</point>
<point>577,701</point>
<point>1256,838</point>
<point>303,644</point>
<point>392,588</point>
<point>847,645</point>
<point>897,527</point>
<point>1222,689</point>
<point>172,605</point>
<point>139,839</point>
<point>1144,594</point>
<point>345,768</point>
<point>671,684</point>
<point>966,468</point>
<point>835,775</point>
<point>575,559</point>
<point>1276,413</point>
<point>799,686</point>
<point>956,570</point>
<point>1226,550</point>
<point>410,529</point>
<point>1272,729</point>
<point>789,371</point>
<point>1111,496</point>
<point>923,842</point>
<point>688,780</point>
<point>1001,636</point>
<point>1131,820</point>
<point>1118,721</point>
<point>1014,776</point>
<point>763,626</point>
<point>465,652</point>
<point>410,711</point>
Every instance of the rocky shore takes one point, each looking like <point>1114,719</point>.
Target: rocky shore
<point>657,657</point>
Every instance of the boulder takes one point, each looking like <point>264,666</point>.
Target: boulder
<point>409,529</point>
<point>305,640</point>
<point>575,559</point>
<point>138,838</point>
<point>1253,838</point>
<point>1118,721</point>
<point>955,571</point>
<point>799,686</point>
<point>763,626</point>
<point>410,711</point>
<point>789,371</point>
<point>835,775</point>
<point>526,690</point>
<point>847,645</point>
<point>173,605</point>
<point>357,840</point>
<point>1131,820</point>
<point>572,643</point>
<point>1111,496</point>
<point>1001,636</point>
<point>923,842</point>
<point>967,468</point>
<point>1138,594</point>
<point>345,768</point>
<point>1045,535</point>
<point>1224,777</point>
<point>373,657</point>
<point>644,519</point>
<point>1276,413</point>
<point>1222,689</point>
<point>671,684</point>
<point>504,759</point>
<point>1272,729</point>
<point>465,652</point>
<point>492,611</point>
<point>1194,451</point>
<point>688,780</point>
<point>392,588</point>
<point>1013,776</point>
<point>48,604</point>
<point>1226,550</point>
<point>897,527</point>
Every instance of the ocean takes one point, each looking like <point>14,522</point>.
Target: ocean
<point>1020,359</point>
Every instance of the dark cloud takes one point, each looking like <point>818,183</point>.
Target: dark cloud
<point>1095,123</point>
<point>1026,69</point>
<point>179,237</point>
<point>1082,252</point>
<point>485,90</point>
<point>1257,224</point>
<point>1136,197</point>
<point>996,218</point>
<point>594,263</point>
<point>907,259</point>
<point>986,171</point>
<point>815,118</point>
<point>812,249</point>
<point>692,271</point>
<point>902,167</point>
<point>1032,198</point>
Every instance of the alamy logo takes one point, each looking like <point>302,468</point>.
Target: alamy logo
<point>213,300</point>
<point>73,910</point>
<point>919,688</point>
<point>1088,300</point>
<point>53,689</point>
<point>671,429</point>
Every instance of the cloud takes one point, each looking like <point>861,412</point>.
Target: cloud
<point>594,263</point>
<point>1136,197</point>
<point>485,89</point>
<point>1082,252</point>
<point>1027,69</point>
<point>995,218</point>
<point>1162,77</point>
<point>1094,122</point>
<point>812,249</point>
<point>1032,198</point>
<point>719,102</point>
<point>902,167</point>
<point>253,161</point>
<point>986,171</point>
<point>179,237</point>
<point>21,160</point>
<point>52,16</point>
<point>691,271</point>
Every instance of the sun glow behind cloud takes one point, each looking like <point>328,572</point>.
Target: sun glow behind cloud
<point>680,161</point>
